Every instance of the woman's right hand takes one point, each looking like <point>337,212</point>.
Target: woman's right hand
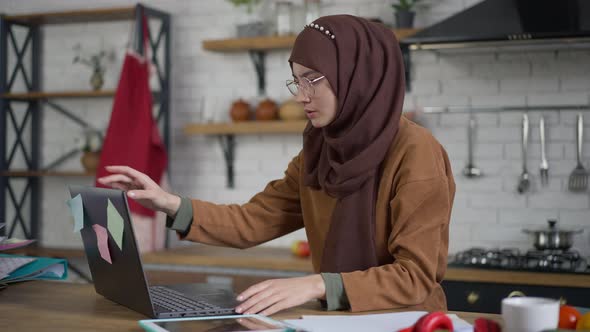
<point>141,188</point>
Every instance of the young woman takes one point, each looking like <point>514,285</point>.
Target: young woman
<point>372,189</point>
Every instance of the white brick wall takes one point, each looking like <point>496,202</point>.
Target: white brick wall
<point>487,211</point>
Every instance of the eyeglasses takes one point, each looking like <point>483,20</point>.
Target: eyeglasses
<point>304,85</point>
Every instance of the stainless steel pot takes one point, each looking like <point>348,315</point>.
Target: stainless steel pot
<point>552,237</point>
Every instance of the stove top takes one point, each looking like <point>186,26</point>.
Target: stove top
<point>567,261</point>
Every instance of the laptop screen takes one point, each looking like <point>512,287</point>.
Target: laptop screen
<point>121,280</point>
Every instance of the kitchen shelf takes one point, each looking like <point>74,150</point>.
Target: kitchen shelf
<point>532,108</point>
<point>58,94</point>
<point>25,173</point>
<point>226,132</point>
<point>42,95</point>
<point>76,16</point>
<point>257,48</point>
<point>268,43</point>
<point>246,128</point>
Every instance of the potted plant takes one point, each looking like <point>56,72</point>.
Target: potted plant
<point>91,150</point>
<point>249,25</point>
<point>404,13</point>
<point>96,62</point>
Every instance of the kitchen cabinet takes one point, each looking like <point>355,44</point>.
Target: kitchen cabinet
<point>487,297</point>
<point>482,289</point>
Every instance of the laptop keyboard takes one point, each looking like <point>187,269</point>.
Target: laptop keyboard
<point>176,301</point>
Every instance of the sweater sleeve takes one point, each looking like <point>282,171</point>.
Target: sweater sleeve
<point>335,295</point>
<point>183,219</point>
<point>420,213</point>
<point>272,213</point>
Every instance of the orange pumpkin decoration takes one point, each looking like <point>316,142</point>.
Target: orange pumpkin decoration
<point>267,110</point>
<point>240,111</point>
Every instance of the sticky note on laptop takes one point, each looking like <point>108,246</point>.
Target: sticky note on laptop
<point>115,224</point>
<point>102,238</point>
<point>77,212</point>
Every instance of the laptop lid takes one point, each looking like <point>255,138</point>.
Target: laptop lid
<point>123,281</point>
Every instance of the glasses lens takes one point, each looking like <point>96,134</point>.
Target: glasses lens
<point>306,87</point>
<point>292,86</point>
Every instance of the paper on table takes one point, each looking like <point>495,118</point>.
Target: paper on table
<point>102,241</point>
<point>57,270</point>
<point>77,211</point>
<point>9,264</point>
<point>115,224</point>
<point>14,243</point>
<point>369,323</point>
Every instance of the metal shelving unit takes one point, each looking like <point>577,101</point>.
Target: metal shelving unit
<point>29,143</point>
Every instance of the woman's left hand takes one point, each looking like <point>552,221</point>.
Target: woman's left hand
<point>271,296</point>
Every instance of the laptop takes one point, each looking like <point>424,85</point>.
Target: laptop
<point>124,280</point>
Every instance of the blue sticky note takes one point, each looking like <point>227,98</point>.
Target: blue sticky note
<point>77,211</point>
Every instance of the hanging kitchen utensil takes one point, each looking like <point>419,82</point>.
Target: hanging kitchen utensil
<point>553,238</point>
<point>470,170</point>
<point>544,168</point>
<point>524,181</point>
<point>578,181</point>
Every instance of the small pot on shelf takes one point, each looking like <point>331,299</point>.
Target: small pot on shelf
<point>90,160</point>
<point>267,110</point>
<point>291,110</point>
<point>97,79</point>
<point>240,111</point>
<point>404,19</point>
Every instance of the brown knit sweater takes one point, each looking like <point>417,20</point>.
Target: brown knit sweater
<point>413,209</point>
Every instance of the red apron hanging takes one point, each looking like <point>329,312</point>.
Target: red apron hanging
<point>132,137</point>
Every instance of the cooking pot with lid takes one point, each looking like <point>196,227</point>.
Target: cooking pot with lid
<point>552,237</point>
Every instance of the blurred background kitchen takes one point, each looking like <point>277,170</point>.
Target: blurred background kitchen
<point>485,87</point>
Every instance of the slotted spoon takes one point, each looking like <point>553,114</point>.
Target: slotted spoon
<point>578,180</point>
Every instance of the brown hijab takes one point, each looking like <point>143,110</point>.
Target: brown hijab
<point>363,63</point>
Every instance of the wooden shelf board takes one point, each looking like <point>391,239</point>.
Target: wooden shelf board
<point>24,173</point>
<point>247,127</point>
<point>253,43</point>
<point>270,42</point>
<point>76,16</point>
<point>58,94</point>
<point>518,277</point>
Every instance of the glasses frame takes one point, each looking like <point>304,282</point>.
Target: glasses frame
<point>311,84</point>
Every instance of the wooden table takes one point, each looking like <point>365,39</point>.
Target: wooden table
<point>58,306</point>
<point>281,259</point>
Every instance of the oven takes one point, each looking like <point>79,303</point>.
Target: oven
<point>478,279</point>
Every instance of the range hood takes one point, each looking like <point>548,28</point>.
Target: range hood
<point>499,23</point>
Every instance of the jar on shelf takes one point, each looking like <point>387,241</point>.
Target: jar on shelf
<point>312,10</point>
<point>283,10</point>
<point>240,111</point>
<point>267,110</point>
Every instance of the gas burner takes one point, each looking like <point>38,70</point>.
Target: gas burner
<point>556,260</point>
<point>487,257</point>
<point>532,260</point>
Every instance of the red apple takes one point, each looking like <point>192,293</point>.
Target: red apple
<point>300,248</point>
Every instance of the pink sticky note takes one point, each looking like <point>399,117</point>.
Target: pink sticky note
<point>102,240</point>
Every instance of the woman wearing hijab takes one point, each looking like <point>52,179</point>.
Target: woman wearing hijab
<point>372,189</point>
